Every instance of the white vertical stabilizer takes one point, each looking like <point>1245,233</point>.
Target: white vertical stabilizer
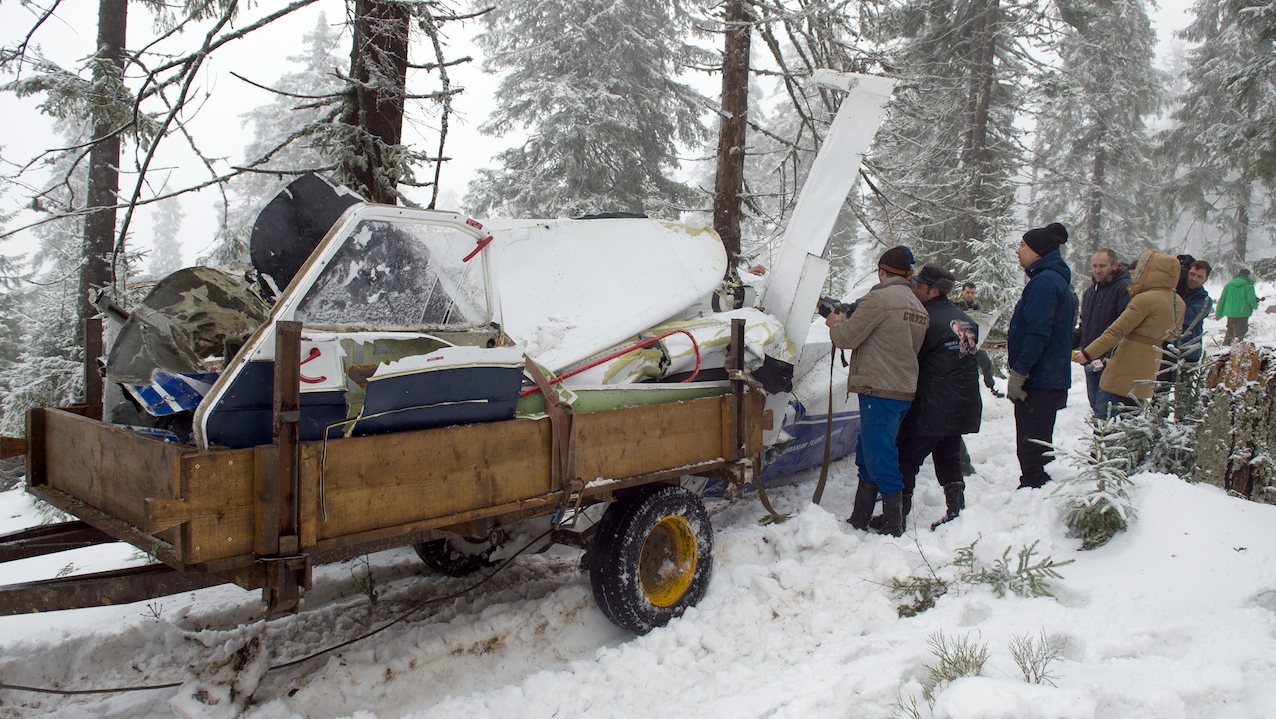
<point>795,281</point>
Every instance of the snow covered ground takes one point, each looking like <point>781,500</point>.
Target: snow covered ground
<point>1175,618</point>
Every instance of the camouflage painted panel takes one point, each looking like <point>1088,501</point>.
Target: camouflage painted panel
<point>193,315</point>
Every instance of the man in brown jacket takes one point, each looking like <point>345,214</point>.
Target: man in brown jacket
<point>1154,311</point>
<point>884,334</point>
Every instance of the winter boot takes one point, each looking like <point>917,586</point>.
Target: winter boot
<point>893,515</point>
<point>955,496</point>
<point>865,498</point>
<point>877,523</point>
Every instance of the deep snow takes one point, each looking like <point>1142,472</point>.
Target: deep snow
<point>1174,618</point>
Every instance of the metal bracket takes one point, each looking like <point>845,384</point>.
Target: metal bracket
<point>584,540</point>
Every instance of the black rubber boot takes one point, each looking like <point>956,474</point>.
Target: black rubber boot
<point>876,523</point>
<point>955,497</point>
<point>865,498</point>
<point>893,515</point>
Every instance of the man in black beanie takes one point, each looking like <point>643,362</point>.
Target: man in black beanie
<point>1039,348</point>
<point>884,333</point>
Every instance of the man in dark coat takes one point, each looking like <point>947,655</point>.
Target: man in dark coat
<point>1101,303</point>
<point>947,404</point>
<point>1039,348</point>
<point>966,303</point>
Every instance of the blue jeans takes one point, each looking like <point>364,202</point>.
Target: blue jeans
<point>1108,404</point>
<point>1092,390</point>
<point>876,456</point>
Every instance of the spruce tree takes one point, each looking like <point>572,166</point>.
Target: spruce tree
<point>594,85</point>
<point>1222,141</point>
<point>47,371</point>
<point>166,248</point>
<point>1094,165</point>
<point>1095,503</point>
<point>948,152</point>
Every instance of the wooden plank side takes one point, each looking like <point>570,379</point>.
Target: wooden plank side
<point>37,439</point>
<point>219,489</point>
<point>370,483</point>
<point>107,467</point>
<point>384,460</point>
<point>158,548</point>
<point>640,440</point>
<point>759,418</point>
<point>384,485</point>
<point>12,447</point>
<point>309,513</point>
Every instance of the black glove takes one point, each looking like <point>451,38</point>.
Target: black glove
<point>1014,388</point>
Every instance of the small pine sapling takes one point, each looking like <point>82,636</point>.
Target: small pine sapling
<point>923,588</point>
<point>1027,579</point>
<point>1161,432</point>
<point>1034,656</point>
<point>957,657</point>
<point>905,708</point>
<point>1095,503</point>
<point>366,582</point>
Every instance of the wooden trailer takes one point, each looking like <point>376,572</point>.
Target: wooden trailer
<point>262,517</point>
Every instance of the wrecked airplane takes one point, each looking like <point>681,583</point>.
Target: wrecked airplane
<point>419,318</point>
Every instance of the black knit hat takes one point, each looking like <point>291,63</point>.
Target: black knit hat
<point>897,261</point>
<point>937,277</point>
<point>1044,240</point>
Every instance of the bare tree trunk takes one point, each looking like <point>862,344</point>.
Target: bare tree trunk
<point>104,157</point>
<point>1240,245</point>
<point>731,134</point>
<point>975,153</point>
<point>375,99</point>
<point>1094,216</point>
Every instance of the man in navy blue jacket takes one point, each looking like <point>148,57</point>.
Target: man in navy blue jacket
<point>1039,348</point>
<point>1199,306</point>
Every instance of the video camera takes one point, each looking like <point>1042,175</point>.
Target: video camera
<point>828,306</point>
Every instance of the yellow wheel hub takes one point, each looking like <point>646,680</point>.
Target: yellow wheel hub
<point>667,561</point>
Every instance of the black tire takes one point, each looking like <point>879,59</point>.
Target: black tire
<point>442,557</point>
<point>652,557</point>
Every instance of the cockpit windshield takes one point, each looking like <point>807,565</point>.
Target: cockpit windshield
<point>399,275</point>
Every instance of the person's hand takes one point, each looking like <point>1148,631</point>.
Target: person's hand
<point>1080,358</point>
<point>832,319</point>
<point>1014,388</point>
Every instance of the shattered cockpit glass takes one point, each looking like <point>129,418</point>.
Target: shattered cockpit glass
<point>407,275</point>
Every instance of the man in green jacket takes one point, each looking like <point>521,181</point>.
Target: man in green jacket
<point>1237,303</point>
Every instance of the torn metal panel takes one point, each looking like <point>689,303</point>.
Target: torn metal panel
<point>190,316</point>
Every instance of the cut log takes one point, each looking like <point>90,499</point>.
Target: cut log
<point>1234,441</point>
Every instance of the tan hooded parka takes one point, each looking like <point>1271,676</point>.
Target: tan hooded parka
<point>1154,311</point>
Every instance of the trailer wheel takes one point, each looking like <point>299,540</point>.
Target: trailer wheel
<point>442,557</point>
<point>652,557</point>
